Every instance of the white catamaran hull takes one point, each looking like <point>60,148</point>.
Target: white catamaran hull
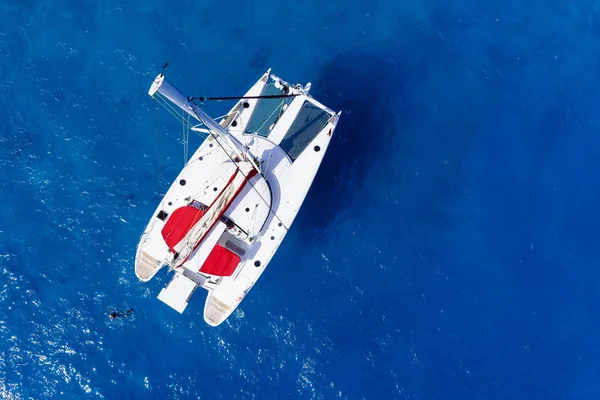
<point>225,215</point>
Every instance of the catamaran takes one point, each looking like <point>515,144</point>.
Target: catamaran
<point>227,212</point>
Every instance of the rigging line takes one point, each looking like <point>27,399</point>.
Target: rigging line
<point>158,154</point>
<point>279,116</point>
<point>253,220</point>
<point>178,118</point>
<point>171,110</point>
<point>269,159</point>
<point>268,96</point>
<point>265,121</point>
<point>220,117</point>
<point>202,135</point>
<point>183,138</point>
<point>269,117</point>
<point>166,103</point>
<point>163,102</point>
<point>176,115</point>
<point>187,138</point>
<point>174,112</point>
<point>246,178</point>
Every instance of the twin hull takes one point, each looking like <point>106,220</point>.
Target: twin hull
<point>223,218</point>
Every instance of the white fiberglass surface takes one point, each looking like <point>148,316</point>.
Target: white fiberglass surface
<point>306,126</point>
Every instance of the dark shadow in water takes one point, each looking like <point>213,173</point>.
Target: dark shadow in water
<point>369,88</point>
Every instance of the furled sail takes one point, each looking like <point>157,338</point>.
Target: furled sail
<point>162,87</point>
<point>196,232</point>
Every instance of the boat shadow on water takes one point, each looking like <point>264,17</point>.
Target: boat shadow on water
<point>407,124</point>
<point>364,86</point>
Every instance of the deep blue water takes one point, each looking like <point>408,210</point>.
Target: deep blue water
<point>448,247</point>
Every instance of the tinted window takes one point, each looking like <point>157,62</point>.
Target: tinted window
<point>267,111</point>
<point>308,123</point>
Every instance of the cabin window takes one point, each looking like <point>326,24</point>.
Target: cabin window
<point>308,123</point>
<point>267,111</point>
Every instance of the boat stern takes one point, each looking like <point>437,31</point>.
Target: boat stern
<point>150,256</point>
<point>146,266</point>
<point>223,301</point>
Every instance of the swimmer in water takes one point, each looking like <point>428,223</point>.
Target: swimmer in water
<point>119,314</point>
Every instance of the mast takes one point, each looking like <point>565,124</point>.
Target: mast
<point>164,88</point>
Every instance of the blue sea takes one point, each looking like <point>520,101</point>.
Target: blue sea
<point>448,248</point>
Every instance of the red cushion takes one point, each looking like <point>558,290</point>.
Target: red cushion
<point>179,224</point>
<point>220,262</point>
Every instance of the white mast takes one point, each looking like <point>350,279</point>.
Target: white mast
<point>166,89</point>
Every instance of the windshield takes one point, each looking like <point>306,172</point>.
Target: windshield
<point>308,123</point>
<point>267,111</point>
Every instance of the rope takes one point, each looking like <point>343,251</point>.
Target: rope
<point>160,100</point>
<point>269,117</point>
<point>265,121</point>
<point>185,131</point>
<point>158,154</point>
<point>187,138</point>
<point>173,111</point>
<point>247,180</point>
<point>269,96</point>
<point>269,159</point>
